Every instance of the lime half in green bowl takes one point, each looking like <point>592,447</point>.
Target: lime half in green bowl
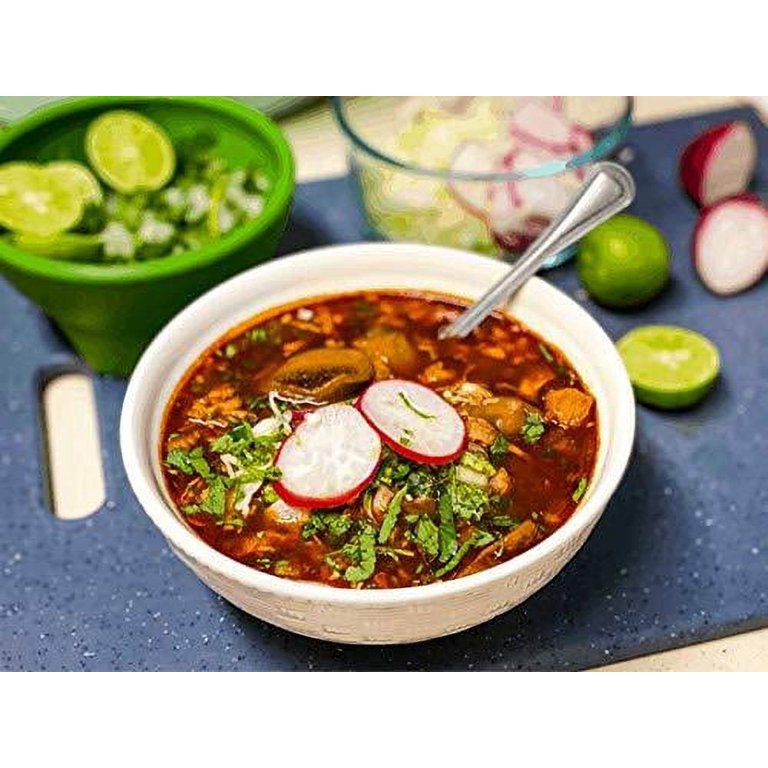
<point>109,312</point>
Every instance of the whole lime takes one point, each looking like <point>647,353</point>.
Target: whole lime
<point>623,262</point>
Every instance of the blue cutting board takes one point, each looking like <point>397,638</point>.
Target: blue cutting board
<point>680,556</point>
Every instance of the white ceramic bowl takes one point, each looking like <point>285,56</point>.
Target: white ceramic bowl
<point>374,616</point>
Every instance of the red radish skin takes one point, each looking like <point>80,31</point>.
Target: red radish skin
<point>517,241</point>
<point>719,163</point>
<point>538,125</point>
<point>332,455</point>
<point>730,245</point>
<point>437,438</point>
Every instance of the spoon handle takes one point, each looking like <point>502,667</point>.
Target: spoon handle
<point>608,189</point>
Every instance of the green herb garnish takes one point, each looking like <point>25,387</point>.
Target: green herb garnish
<point>412,407</point>
<point>477,463</point>
<point>215,501</point>
<point>427,536</point>
<point>361,551</point>
<point>262,336</point>
<point>393,470</point>
<point>190,463</point>
<point>504,521</point>
<point>390,518</point>
<point>335,525</point>
<point>499,448</point>
<point>546,354</point>
<point>478,539</point>
<point>533,428</point>
<point>447,530</point>
<point>580,489</point>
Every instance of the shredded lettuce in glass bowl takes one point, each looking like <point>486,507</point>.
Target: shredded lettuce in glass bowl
<point>483,173</point>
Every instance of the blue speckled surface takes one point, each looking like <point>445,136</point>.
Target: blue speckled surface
<point>680,555</point>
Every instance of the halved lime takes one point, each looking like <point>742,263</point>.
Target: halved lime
<point>76,176</point>
<point>36,202</point>
<point>130,152</point>
<point>669,367</point>
<point>67,246</point>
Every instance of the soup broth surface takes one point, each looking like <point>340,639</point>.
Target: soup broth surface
<point>527,460</point>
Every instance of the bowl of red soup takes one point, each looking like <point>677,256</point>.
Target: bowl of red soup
<point>317,456</point>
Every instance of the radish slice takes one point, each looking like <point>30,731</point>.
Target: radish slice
<point>538,125</point>
<point>414,421</point>
<point>473,157</point>
<point>730,245</point>
<point>331,456</point>
<point>581,140</point>
<point>517,241</point>
<point>545,196</point>
<point>719,163</point>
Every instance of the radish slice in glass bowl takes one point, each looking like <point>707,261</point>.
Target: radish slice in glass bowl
<point>414,421</point>
<point>329,459</point>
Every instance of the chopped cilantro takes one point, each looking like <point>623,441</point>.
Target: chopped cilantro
<point>361,550</point>
<point>426,536</point>
<point>393,470</point>
<point>447,530</point>
<point>478,539</point>
<point>533,428</point>
<point>230,351</point>
<point>406,438</point>
<point>477,462</point>
<point>421,482</point>
<point>390,518</point>
<point>268,495</point>
<point>469,502</point>
<point>190,463</point>
<point>499,448</point>
<point>215,501</point>
<point>231,522</point>
<point>262,336</point>
<point>282,568</point>
<point>411,407</point>
<point>580,489</point>
<point>335,524</point>
<point>546,354</point>
<point>504,521</point>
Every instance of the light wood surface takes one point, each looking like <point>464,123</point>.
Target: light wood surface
<point>320,153</point>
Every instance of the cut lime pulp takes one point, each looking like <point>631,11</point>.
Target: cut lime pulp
<point>36,202</point>
<point>130,152</point>
<point>77,177</point>
<point>669,367</point>
<point>66,246</point>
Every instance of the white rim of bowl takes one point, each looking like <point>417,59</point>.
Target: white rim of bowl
<point>165,517</point>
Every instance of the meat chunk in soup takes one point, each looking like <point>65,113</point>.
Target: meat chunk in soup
<point>569,407</point>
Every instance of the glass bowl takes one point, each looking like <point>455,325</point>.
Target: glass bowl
<point>483,173</point>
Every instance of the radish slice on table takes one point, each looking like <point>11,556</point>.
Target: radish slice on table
<point>537,124</point>
<point>730,245</point>
<point>414,421</point>
<point>331,456</point>
<point>719,163</point>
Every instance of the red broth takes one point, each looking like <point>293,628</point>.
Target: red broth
<point>532,442</point>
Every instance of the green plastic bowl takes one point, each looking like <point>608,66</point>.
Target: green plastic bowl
<point>110,312</point>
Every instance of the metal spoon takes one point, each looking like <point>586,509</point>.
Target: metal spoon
<point>608,189</point>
